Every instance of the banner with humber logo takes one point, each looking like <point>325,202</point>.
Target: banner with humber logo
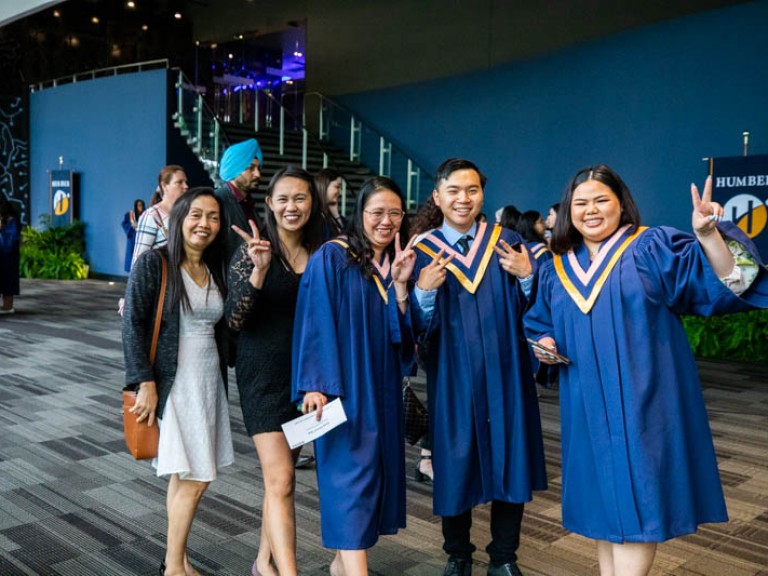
<point>740,184</point>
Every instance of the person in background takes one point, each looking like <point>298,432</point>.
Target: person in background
<point>639,465</point>
<point>483,415</point>
<point>531,227</point>
<point>264,281</point>
<point>329,184</point>
<point>509,217</point>
<point>10,238</point>
<point>550,221</point>
<point>152,229</point>
<point>157,196</point>
<point>185,389</point>
<point>353,341</point>
<point>423,221</point>
<point>240,169</point>
<point>130,224</point>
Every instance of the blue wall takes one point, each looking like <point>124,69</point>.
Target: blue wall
<point>113,132</point>
<point>650,103</point>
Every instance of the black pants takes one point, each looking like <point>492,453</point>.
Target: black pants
<point>506,518</point>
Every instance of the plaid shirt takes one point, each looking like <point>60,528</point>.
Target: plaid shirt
<point>151,232</point>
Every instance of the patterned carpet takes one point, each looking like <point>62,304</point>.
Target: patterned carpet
<point>72,502</point>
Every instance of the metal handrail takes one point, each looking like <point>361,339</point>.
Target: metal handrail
<point>306,134</point>
<point>202,110</point>
<point>99,73</point>
<point>386,148</point>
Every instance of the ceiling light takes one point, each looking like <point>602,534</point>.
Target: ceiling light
<point>144,27</point>
<point>177,15</point>
<point>95,19</point>
<point>130,4</point>
<point>56,14</point>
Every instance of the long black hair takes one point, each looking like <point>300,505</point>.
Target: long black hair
<point>312,232</point>
<point>323,180</point>
<point>360,250</point>
<point>214,256</point>
<point>526,226</point>
<point>510,216</point>
<point>564,235</point>
<point>427,217</point>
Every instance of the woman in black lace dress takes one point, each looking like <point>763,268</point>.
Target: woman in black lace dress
<point>264,282</point>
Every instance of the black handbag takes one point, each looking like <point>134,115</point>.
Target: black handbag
<point>415,417</point>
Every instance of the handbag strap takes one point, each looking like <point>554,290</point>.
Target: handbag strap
<point>159,313</point>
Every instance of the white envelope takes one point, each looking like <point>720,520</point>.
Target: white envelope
<point>307,428</point>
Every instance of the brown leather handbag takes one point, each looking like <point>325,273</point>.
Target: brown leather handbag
<point>140,438</point>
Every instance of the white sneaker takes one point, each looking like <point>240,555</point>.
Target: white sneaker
<point>8,311</point>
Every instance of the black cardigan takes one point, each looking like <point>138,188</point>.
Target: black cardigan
<point>138,323</point>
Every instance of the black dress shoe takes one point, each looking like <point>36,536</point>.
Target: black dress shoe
<point>458,568</point>
<point>162,568</point>
<point>507,569</point>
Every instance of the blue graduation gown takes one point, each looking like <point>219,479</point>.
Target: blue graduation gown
<point>484,415</point>
<point>637,454</point>
<point>130,234</point>
<point>349,343</point>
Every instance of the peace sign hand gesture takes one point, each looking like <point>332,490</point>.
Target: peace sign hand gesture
<point>514,259</point>
<point>706,214</point>
<point>405,259</point>
<point>258,250</point>
<point>433,275</point>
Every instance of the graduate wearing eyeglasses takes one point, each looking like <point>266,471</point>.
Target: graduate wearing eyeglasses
<point>353,340</point>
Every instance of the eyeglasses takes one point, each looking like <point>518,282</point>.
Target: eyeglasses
<point>378,215</point>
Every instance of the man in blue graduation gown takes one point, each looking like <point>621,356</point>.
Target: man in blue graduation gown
<point>484,416</point>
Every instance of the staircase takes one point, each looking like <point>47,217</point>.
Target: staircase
<point>208,137</point>
<point>269,140</point>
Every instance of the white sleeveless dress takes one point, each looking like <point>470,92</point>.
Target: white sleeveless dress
<point>195,435</point>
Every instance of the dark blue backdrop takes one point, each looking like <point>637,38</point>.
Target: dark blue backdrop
<point>651,103</point>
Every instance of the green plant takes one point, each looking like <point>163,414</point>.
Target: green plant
<point>53,252</point>
<point>732,337</point>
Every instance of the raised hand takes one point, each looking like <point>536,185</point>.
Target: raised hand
<point>706,214</point>
<point>405,259</point>
<point>433,275</point>
<point>258,250</point>
<point>513,261</point>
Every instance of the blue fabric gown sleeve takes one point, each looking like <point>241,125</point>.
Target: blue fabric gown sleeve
<point>127,227</point>
<point>538,318</point>
<point>9,235</point>
<point>426,321</point>
<point>675,272</point>
<point>401,331</point>
<point>316,355</point>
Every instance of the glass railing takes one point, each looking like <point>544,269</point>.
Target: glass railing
<point>365,145</point>
<point>199,125</point>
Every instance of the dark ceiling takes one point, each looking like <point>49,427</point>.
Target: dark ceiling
<point>80,35</point>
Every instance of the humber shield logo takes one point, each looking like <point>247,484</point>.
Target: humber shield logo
<point>60,202</point>
<point>748,212</point>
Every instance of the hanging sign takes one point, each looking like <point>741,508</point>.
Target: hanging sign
<point>740,184</point>
<point>63,197</point>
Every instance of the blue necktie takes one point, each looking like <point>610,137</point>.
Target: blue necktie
<point>463,243</point>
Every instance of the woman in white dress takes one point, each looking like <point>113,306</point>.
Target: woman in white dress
<point>185,389</point>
